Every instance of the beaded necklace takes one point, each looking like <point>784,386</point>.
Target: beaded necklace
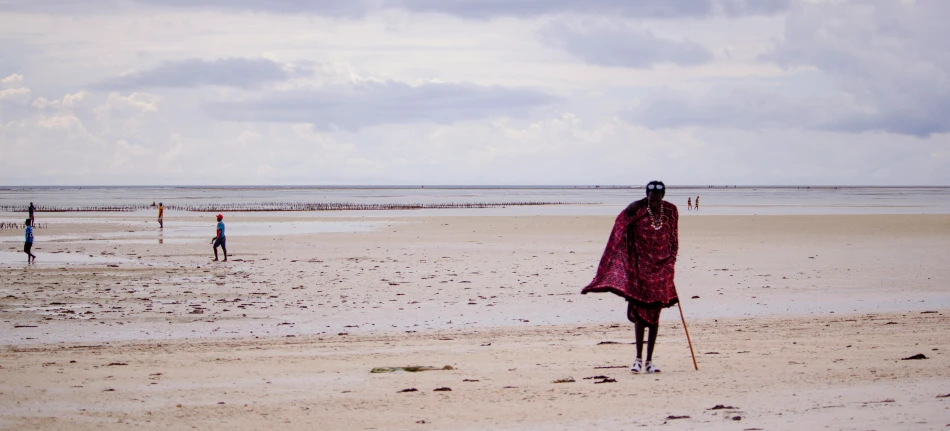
<point>656,222</point>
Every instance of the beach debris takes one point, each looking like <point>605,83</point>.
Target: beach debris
<point>108,390</point>
<point>695,297</point>
<point>471,380</point>
<point>943,396</point>
<point>601,379</point>
<point>722,407</point>
<point>116,363</point>
<point>565,380</point>
<point>509,387</point>
<point>737,418</point>
<point>421,421</point>
<point>670,417</point>
<point>410,369</point>
<point>929,312</point>
<point>711,353</point>
<point>408,390</point>
<point>603,367</point>
<point>917,356</point>
<point>889,400</point>
<point>442,389</point>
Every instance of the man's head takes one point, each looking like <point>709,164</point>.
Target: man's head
<point>655,191</point>
<point>220,217</point>
<point>160,204</point>
<point>28,223</point>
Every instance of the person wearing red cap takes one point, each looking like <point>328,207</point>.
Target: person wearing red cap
<point>219,240</point>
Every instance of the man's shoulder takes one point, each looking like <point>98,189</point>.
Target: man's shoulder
<point>670,207</point>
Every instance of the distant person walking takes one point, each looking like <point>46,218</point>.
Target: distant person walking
<point>689,204</point>
<point>28,242</point>
<point>32,214</point>
<point>696,205</point>
<point>638,265</point>
<point>219,240</point>
<point>161,214</point>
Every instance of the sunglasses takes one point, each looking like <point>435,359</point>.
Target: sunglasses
<point>655,187</point>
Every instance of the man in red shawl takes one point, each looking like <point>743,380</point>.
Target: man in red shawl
<point>638,265</point>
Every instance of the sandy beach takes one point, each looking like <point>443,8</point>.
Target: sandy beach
<point>798,321</point>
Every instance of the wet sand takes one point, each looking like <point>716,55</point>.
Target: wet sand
<point>286,333</point>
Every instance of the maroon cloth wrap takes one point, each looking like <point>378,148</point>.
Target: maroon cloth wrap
<point>639,261</point>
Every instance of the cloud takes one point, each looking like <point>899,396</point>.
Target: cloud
<point>889,56</point>
<point>12,90</point>
<point>469,9</point>
<point>853,67</point>
<point>229,72</point>
<point>481,9</point>
<point>748,108</point>
<point>620,45</point>
<point>15,95</point>
<point>380,102</point>
<point>14,80</point>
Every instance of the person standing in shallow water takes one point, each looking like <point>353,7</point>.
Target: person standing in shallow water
<point>219,240</point>
<point>32,210</point>
<point>638,265</point>
<point>161,215</point>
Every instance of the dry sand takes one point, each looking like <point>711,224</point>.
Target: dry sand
<point>800,322</point>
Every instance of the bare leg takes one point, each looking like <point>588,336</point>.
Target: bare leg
<point>639,327</point>
<point>215,254</point>
<point>651,342</point>
<point>225,250</point>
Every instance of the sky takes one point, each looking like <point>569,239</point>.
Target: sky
<point>481,92</point>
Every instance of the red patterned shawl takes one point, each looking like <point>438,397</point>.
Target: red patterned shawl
<point>639,261</point>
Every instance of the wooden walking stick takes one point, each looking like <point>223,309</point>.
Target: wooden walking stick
<point>687,336</point>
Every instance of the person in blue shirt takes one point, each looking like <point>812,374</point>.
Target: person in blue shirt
<point>28,243</point>
<point>219,240</point>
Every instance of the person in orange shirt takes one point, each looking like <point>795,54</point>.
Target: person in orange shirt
<point>161,213</point>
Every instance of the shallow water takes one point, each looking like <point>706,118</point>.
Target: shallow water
<point>605,200</point>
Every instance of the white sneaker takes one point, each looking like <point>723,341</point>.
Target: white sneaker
<point>637,365</point>
<point>652,368</point>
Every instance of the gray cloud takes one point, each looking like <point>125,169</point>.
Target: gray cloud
<point>229,72</point>
<point>742,108</point>
<point>471,9</point>
<point>609,44</point>
<point>482,9</point>
<point>374,103</point>
<point>884,62</point>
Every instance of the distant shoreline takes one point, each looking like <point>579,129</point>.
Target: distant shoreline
<point>469,187</point>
